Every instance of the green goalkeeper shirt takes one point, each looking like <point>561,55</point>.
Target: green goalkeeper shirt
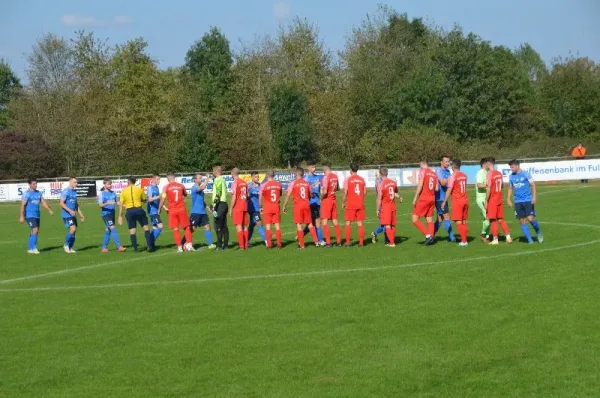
<point>220,189</point>
<point>481,178</point>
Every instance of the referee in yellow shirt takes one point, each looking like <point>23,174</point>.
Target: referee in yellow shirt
<point>131,199</point>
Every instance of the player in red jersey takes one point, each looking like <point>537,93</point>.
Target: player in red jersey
<point>174,194</point>
<point>494,204</point>
<point>424,201</point>
<point>355,189</point>
<point>386,205</point>
<point>457,190</point>
<point>329,187</point>
<point>270,199</point>
<point>300,190</point>
<point>239,208</point>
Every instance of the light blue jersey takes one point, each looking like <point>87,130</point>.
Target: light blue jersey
<point>198,203</point>
<point>315,183</point>
<point>69,195</point>
<point>32,207</point>
<point>253,194</point>
<point>442,174</point>
<point>104,197</point>
<point>520,183</point>
<point>151,192</point>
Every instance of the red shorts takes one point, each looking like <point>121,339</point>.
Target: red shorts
<point>329,210</point>
<point>302,215</point>
<point>272,217</point>
<point>355,215</point>
<point>387,217</point>
<point>495,210</point>
<point>460,211</point>
<point>424,208</point>
<point>240,217</point>
<point>178,219</point>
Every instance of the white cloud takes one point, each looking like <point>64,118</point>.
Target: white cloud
<point>88,20</point>
<point>282,10</point>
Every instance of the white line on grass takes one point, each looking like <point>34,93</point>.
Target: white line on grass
<point>314,273</point>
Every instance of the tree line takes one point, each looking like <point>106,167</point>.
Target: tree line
<point>399,90</point>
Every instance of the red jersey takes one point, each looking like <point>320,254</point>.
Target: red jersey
<point>495,183</point>
<point>239,188</point>
<point>356,189</point>
<point>175,193</point>
<point>271,193</point>
<point>387,192</point>
<point>300,190</point>
<point>331,184</point>
<point>458,183</point>
<point>430,182</point>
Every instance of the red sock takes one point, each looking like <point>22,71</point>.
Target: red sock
<point>338,234</point>
<point>463,230</point>
<point>279,238</point>
<point>327,234</point>
<point>240,236</point>
<point>177,237</point>
<point>504,227</point>
<point>494,228</point>
<point>361,235</point>
<point>431,228</point>
<point>348,234</point>
<point>391,235</point>
<point>313,233</point>
<point>188,235</point>
<point>245,239</point>
<point>420,227</point>
<point>300,237</point>
<point>269,237</point>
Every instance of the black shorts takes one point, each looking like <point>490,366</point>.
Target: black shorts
<point>315,211</point>
<point>198,220</point>
<point>155,220</point>
<point>136,215</point>
<point>254,217</point>
<point>33,222</point>
<point>109,220</point>
<point>524,210</point>
<point>441,211</point>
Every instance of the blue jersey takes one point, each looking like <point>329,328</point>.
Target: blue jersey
<point>315,184</point>
<point>32,207</point>
<point>151,192</point>
<point>107,196</point>
<point>198,204</point>
<point>253,194</point>
<point>442,174</point>
<point>70,197</point>
<point>520,183</point>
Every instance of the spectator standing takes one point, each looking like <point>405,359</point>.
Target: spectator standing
<point>579,152</point>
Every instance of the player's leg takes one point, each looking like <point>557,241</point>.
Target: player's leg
<point>418,224</point>
<point>194,219</point>
<point>142,219</point>
<point>360,217</point>
<point>309,219</point>
<point>106,239</point>
<point>300,234</point>
<point>349,218</point>
<point>239,231</point>
<point>245,222</point>
<point>485,226</point>
<point>174,226</point>
<point>115,237</point>
<point>73,233</point>
<point>251,227</point>
<point>34,228</point>
<point>131,226</point>
<point>205,223</point>
<point>157,226</point>
<point>278,234</point>
<point>534,223</point>
<point>521,213</point>
<point>326,230</point>
<point>184,221</point>
<point>269,234</point>
<point>338,231</point>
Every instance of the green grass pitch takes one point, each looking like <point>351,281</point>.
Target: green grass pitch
<point>512,320</point>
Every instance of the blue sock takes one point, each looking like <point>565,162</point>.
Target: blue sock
<point>448,227</point>
<point>106,239</point>
<point>250,232</point>
<point>208,236</point>
<point>261,232</point>
<point>380,229</point>
<point>525,229</point>
<point>30,244</point>
<point>34,238</point>
<point>115,236</point>
<point>320,234</point>
<point>72,242</point>
<point>68,239</point>
<point>156,232</point>
<point>536,226</point>
<point>436,226</point>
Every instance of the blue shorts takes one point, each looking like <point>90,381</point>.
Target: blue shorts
<point>33,222</point>
<point>199,220</point>
<point>109,220</point>
<point>315,211</point>
<point>70,222</point>
<point>441,211</point>
<point>136,215</point>
<point>155,219</point>
<point>254,217</point>
<point>524,210</point>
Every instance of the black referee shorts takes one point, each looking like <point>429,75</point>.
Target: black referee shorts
<point>136,215</point>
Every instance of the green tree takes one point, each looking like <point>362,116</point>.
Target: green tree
<point>290,122</point>
<point>9,86</point>
<point>197,152</point>
<point>23,156</point>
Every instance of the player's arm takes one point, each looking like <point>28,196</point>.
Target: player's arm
<point>287,199</point>
<point>81,216</point>
<point>442,181</point>
<point>379,200</point>
<point>418,191</point>
<point>509,195</point>
<point>204,184</point>
<point>121,206</point>
<point>345,197</point>
<point>151,198</point>
<point>533,190</point>
<point>22,211</point>
<point>47,206</point>
<point>163,198</point>
<point>64,206</point>
<point>449,191</point>
<point>488,192</point>
<point>233,201</point>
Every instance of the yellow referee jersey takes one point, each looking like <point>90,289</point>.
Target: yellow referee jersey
<point>133,196</point>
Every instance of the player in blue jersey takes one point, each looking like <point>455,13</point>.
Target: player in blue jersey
<point>107,200</point>
<point>254,208</point>
<point>381,228</point>
<point>70,209</point>
<point>30,213</point>
<point>443,174</point>
<point>199,216</point>
<point>525,196</point>
<point>315,201</point>
<point>153,194</point>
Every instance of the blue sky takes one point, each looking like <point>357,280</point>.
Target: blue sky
<point>553,27</point>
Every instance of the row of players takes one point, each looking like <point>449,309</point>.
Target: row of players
<point>314,206</point>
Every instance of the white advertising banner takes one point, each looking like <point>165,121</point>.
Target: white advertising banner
<point>563,170</point>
